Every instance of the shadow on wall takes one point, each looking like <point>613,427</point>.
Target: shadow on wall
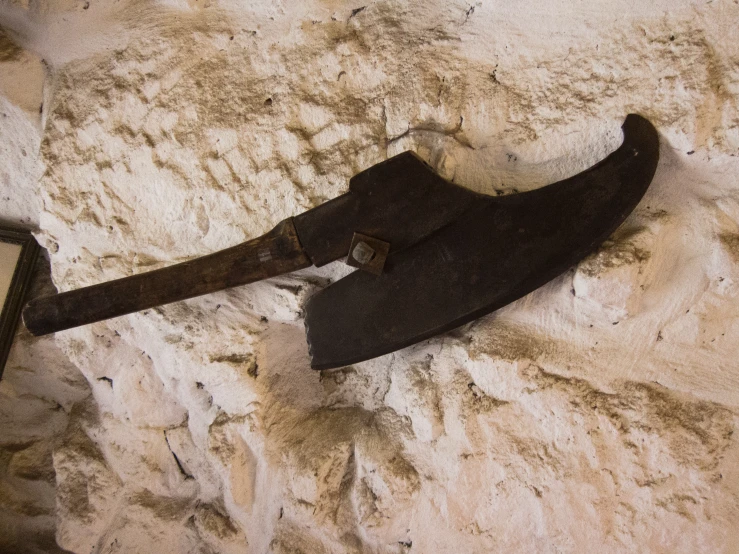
<point>39,389</point>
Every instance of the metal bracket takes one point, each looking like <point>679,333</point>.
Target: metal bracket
<point>368,253</point>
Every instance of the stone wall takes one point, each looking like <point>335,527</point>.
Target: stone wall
<point>596,413</point>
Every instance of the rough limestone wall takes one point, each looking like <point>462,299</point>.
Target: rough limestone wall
<point>40,386</point>
<point>597,412</point>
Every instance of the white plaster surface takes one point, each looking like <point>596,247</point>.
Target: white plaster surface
<point>596,414</point>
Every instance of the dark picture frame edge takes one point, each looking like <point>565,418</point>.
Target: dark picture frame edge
<point>19,284</point>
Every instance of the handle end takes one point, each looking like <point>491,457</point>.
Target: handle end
<point>37,314</point>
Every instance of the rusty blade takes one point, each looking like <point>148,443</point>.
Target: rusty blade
<point>498,250</point>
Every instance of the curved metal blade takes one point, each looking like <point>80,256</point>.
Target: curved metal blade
<point>499,250</point>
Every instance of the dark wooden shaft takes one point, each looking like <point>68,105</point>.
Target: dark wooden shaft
<point>274,253</point>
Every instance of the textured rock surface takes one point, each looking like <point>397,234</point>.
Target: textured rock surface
<point>600,409</point>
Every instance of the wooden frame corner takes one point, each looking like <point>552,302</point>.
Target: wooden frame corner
<point>19,284</point>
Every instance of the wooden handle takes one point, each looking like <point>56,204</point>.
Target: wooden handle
<point>275,253</point>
